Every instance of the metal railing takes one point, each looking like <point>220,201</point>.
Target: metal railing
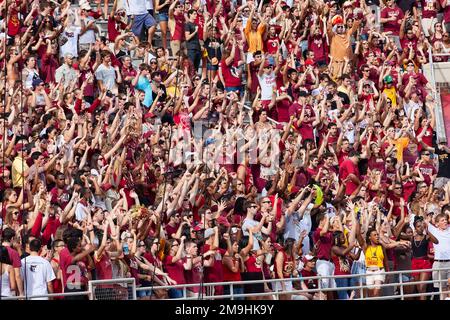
<point>359,288</point>
<point>131,289</point>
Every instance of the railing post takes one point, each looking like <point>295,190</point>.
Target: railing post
<point>400,275</point>
<point>361,288</point>
<point>319,284</point>
<point>232,291</point>
<point>440,285</point>
<point>133,288</point>
<point>91,290</point>
<point>184,292</point>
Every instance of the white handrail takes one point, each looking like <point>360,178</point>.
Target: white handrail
<point>233,295</point>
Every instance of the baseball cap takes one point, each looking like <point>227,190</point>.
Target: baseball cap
<point>85,6</point>
<point>307,258</point>
<point>267,63</point>
<point>149,115</point>
<point>388,79</point>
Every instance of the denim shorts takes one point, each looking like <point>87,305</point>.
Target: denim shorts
<point>210,67</point>
<point>163,16</point>
<point>141,21</point>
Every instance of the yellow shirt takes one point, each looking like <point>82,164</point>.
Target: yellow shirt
<point>19,166</point>
<point>400,144</point>
<point>374,257</point>
<point>254,38</point>
<point>391,94</point>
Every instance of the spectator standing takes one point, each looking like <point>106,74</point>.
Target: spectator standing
<point>192,39</point>
<point>37,272</point>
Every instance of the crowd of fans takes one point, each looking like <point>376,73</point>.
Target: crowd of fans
<point>199,141</point>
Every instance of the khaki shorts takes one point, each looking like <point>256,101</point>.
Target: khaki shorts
<point>373,276</point>
<point>445,274</point>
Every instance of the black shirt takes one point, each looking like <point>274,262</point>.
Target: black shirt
<point>193,43</point>
<point>444,163</point>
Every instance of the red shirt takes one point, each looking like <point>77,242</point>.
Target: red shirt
<point>427,137</point>
<point>229,275</point>
<point>14,257</point>
<point>114,28</point>
<point>318,45</point>
<point>229,75</point>
<point>272,44</point>
<point>326,242</point>
<point>103,267</point>
<point>347,167</point>
<point>427,170</point>
<point>393,26</point>
<point>175,270</point>
<point>74,273</point>
<point>179,27</point>
<point>215,272</point>
<point>429,8</point>
<point>49,64</point>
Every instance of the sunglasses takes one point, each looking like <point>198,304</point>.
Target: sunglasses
<point>426,154</point>
<point>268,201</point>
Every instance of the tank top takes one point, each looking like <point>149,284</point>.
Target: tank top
<point>229,275</point>
<point>6,290</point>
<point>288,266</point>
<point>374,256</point>
<point>420,248</point>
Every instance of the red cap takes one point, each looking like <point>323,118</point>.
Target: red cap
<point>337,20</point>
<point>198,228</point>
<point>267,63</point>
<point>149,115</point>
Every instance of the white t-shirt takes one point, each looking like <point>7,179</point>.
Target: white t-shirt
<point>135,7</point>
<point>71,46</point>
<point>267,83</point>
<point>442,249</point>
<point>89,36</point>
<point>250,223</point>
<point>36,272</point>
<point>107,75</point>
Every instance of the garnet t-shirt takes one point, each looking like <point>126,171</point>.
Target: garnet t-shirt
<point>348,167</point>
<point>175,270</point>
<point>324,249</point>
<point>393,26</point>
